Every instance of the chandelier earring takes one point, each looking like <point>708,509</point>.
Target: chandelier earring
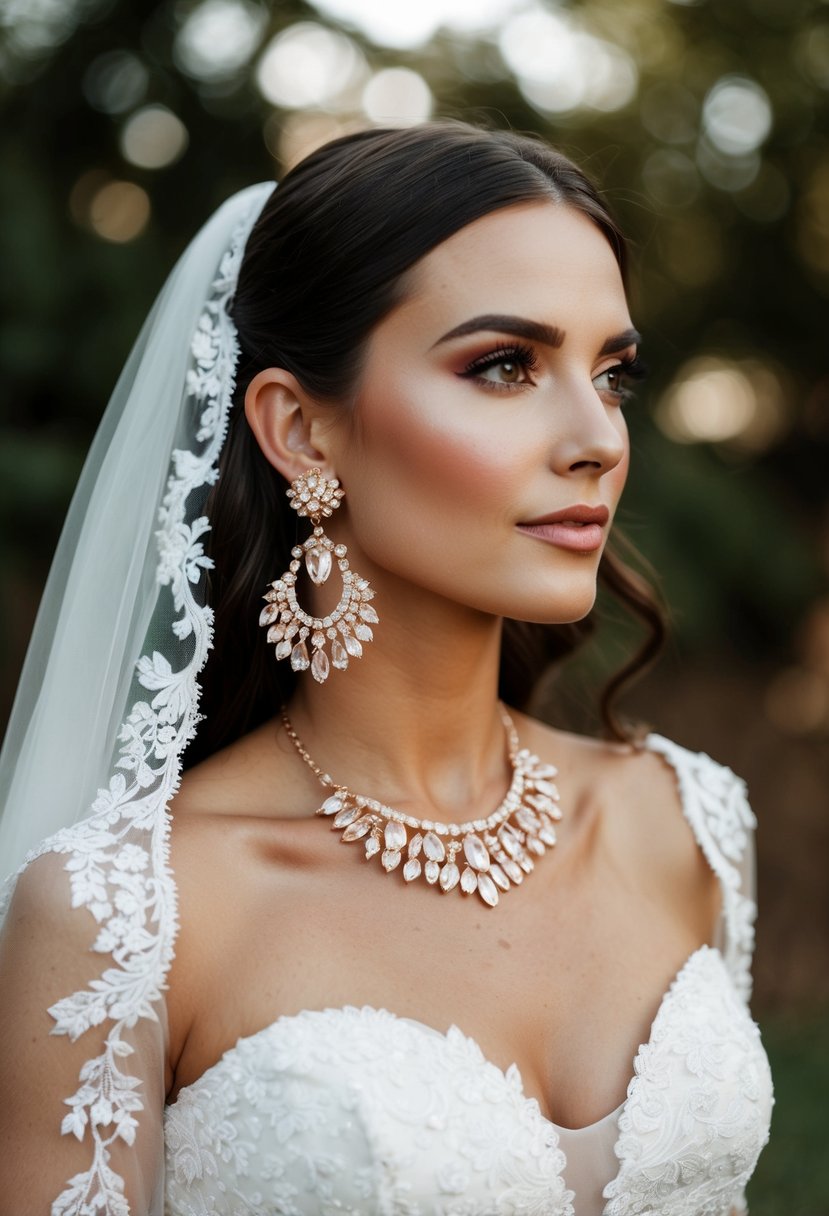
<point>290,628</point>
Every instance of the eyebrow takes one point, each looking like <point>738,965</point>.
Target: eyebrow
<point>536,331</point>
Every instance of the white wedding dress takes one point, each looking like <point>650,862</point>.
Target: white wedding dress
<point>357,1110</point>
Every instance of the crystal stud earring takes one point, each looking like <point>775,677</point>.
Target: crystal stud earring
<point>315,497</point>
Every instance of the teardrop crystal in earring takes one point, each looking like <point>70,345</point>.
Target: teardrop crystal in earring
<point>289,627</point>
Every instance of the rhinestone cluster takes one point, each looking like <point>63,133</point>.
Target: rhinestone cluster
<point>314,495</point>
<point>496,852</point>
<point>289,626</point>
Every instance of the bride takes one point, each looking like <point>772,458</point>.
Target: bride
<point>367,452</point>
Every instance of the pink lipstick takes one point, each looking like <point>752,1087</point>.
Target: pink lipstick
<point>579,528</point>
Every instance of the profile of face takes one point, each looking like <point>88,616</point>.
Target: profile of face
<point>485,450</point>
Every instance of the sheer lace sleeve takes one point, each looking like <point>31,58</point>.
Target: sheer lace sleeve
<point>715,803</point>
<point>82,1092</point>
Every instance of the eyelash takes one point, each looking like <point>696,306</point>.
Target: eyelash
<point>522,356</point>
<point>630,368</point>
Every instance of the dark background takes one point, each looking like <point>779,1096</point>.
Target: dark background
<point>125,124</point>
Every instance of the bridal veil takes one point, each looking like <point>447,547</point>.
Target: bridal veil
<point>107,702</point>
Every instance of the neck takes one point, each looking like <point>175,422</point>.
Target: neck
<point>415,721</point>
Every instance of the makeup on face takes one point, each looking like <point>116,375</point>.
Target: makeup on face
<point>492,444</point>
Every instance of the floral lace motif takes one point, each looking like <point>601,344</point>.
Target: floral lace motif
<point>698,1109</point>
<point>715,803</point>
<point>117,857</point>
<point>358,1111</point>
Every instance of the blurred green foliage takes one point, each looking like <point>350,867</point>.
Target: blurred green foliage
<point>792,1176</point>
<point>730,272</point>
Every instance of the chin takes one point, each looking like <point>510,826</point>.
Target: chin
<point>556,609</point>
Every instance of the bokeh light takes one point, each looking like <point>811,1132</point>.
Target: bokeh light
<point>290,138</point>
<point>715,400</point>
<point>560,67</point>
<point>671,177</point>
<point>737,115</point>
<point>397,97</point>
<point>219,37</point>
<point>309,65</point>
<point>153,138</point>
<point>115,82</point>
<point>119,211</point>
<point>405,25</point>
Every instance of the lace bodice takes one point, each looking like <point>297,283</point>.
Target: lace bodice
<point>358,1110</point>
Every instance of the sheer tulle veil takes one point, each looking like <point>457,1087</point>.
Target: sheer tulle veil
<point>108,700</point>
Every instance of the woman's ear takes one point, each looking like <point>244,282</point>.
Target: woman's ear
<point>285,422</point>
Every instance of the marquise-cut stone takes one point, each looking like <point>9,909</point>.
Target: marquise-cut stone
<point>432,871</point>
<point>346,816</point>
<point>509,842</point>
<point>318,565</point>
<point>498,876</point>
<point>390,859</point>
<point>546,787</point>
<point>394,835</point>
<point>368,614</point>
<point>355,830</point>
<point>449,876</point>
<point>331,805</point>
<point>276,633</point>
<point>411,869</point>
<point>363,632</point>
<point>372,846</point>
<point>433,847</point>
<point>319,666</point>
<point>469,881</point>
<point>352,645</point>
<point>487,890</point>
<point>535,846</point>
<point>527,819</point>
<point>268,613</point>
<point>547,834</point>
<point>339,656</point>
<point>513,870</point>
<point>415,844</point>
<point>299,657</point>
<point>526,863</point>
<point>475,852</point>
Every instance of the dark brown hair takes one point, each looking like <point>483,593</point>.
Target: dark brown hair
<point>325,262</point>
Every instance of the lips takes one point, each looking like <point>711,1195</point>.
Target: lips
<point>579,528</point>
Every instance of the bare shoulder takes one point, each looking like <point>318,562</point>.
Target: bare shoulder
<point>635,793</point>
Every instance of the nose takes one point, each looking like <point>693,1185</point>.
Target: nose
<point>589,434</point>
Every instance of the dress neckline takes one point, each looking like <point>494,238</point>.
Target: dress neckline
<point>336,1013</point>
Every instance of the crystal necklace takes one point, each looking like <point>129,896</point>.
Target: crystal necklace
<point>496,852</point>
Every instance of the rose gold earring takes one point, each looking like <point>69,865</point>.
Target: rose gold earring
<point>314,496</point>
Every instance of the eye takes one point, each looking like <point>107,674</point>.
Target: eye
<point>507,367</point>
<point>615,380</point>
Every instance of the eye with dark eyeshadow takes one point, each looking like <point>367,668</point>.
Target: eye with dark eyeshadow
<point>516,360</point>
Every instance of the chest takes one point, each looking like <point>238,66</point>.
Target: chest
<point>357,1109</point>
<point>562,980</point>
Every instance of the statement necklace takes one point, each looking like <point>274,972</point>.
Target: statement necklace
<point>496,852</point>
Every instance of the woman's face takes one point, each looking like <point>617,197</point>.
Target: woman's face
<point>488,449</point>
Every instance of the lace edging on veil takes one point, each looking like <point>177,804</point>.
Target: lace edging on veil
<point>128,887</point>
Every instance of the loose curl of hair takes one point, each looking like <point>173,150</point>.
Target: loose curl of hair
<point>326,261</point>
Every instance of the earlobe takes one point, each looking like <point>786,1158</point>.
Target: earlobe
<point>280,413</point>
